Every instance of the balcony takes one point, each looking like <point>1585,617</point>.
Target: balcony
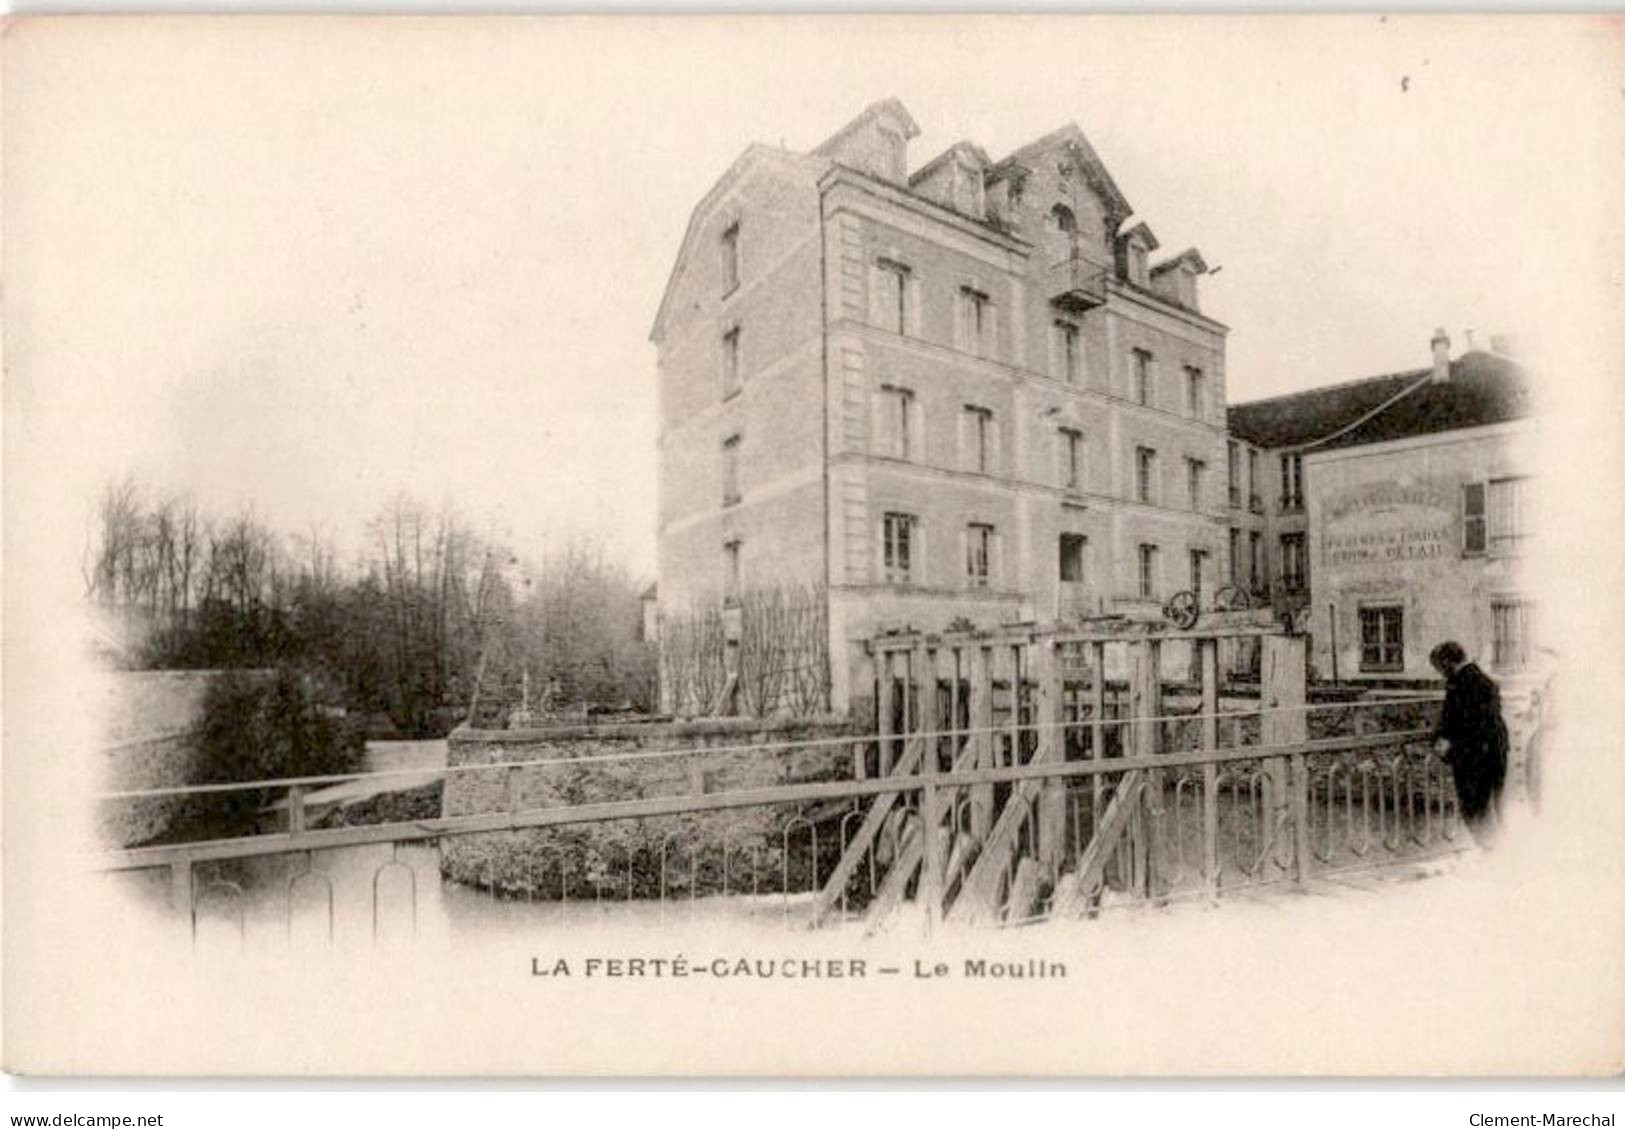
<point>1077,284</point>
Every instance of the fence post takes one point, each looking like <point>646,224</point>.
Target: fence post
<point>922,669</point>
<point>1015,703</point>
<point>1284,692</point>
<point>884,710</point>
<point>981,720</point>
<point>1145,703</point>
<point>931,849</point>
<point>1097,728</point>
<point>296,809</point>
<point>1210,772</point>
<point>180,886</point>
<point>1048,713</point>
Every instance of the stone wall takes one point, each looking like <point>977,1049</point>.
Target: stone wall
<point>165,761</point>
<point>538,861</point>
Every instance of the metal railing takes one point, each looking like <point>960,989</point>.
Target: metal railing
<point>1077,282</point>
<point>1126,810</point>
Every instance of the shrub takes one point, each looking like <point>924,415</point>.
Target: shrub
<point>259,727</point>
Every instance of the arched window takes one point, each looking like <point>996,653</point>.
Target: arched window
<point>1063,219</point>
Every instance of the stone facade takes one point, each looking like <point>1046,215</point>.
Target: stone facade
<point>1388,530</point>
<point>931,394</point>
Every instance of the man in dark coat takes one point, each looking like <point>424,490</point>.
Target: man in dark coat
<point>1472,739</point>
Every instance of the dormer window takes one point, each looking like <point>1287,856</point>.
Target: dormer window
<point>966,188</point>
<point>1138,273</point>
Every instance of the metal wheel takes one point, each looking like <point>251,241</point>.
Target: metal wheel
<point>1183,609</point>
<point>1295,621</point>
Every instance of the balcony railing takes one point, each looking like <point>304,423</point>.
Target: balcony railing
<point>1291,503</point>
<point>1078,283</point>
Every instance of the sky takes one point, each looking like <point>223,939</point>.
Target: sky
<point>305,265</point>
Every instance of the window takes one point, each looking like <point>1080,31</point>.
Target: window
<point>730,258</point>
<point>1195,392</point>
<point>730,362</point>
<point>1511,641</point>
<point>1506,514</point>
<point>1148,572</point>
<point>1291,483</point>
<point>1198,567</point>
<point>1382,637</point>
<point>979,439</point>
<point>1255,562</point>
<point>1235,557</point>
<point>1145,474</point>
<point>889,298</point>
<point>730,571</point>
<point>1068,353</point>
<point>1292,561</point>
<point>1233,471</point>
<point>1070,444</point>
<point>1063,219</point>
<point>1073,546</point>
<point>1474,533</point>
<point>1195,473</point>
<point>1254,501</point>
<point>897,427</point>
<point>973,321</point>
<point>730,470</point>
<point>897,532</point>
<point>1143,392</point>
<point>979,554</point>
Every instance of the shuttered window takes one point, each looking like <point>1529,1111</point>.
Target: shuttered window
<point>1474,532</point>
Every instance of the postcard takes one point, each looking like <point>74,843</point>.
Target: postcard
<point>809,545</point>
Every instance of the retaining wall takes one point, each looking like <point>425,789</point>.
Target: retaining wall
<point>625,854</point>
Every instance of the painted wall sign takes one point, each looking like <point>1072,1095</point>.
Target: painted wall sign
<point>1388,523</point>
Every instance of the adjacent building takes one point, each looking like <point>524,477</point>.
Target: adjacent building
<point>1401,516</point>
<point>957,392</point>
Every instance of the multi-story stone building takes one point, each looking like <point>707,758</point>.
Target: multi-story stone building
<point>1402,513</point>
<point>961,392</point>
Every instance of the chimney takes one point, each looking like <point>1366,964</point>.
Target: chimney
<point>1441,357</point>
